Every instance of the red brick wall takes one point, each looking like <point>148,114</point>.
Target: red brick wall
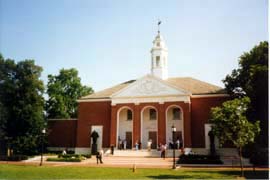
<point>62,133</point>
<point>200,113</point>
<point>93,113</point>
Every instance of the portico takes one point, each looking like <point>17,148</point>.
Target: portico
<point>152,120</point>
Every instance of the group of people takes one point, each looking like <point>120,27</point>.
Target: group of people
<point>122,144</point>
<point>178,143</point>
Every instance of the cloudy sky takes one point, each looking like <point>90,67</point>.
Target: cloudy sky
<point>109,41</point>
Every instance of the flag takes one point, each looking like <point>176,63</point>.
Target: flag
<point>159,22</point>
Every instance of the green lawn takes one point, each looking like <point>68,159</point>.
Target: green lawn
<point>49,172</point>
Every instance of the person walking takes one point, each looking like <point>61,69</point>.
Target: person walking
<point>99,156</point>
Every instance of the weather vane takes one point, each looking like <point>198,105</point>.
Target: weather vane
<point>159,22</point>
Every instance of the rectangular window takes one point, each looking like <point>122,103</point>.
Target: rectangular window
<point>176,114</point>
<point>158,61</point>
<point>129,115</point>
<point>158,44</point>
<point>153,114</point>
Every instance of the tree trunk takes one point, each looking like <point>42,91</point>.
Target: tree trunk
<point>241,163</point>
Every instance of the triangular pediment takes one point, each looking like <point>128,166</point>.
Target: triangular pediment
<point>149,86</point>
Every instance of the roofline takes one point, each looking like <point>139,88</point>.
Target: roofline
<point>94,100</point>
<point>209,95</point>
<point>150,76</point>
<point>62,119</point>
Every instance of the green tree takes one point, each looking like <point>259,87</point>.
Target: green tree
<point>251,79</point>
<point>230,124</point>
<point>63,90</point>
<point>21,104</point>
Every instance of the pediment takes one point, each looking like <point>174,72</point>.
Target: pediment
<point>149,86</point>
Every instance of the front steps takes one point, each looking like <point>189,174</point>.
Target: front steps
<point>223,152</point>
<point>141,153</point>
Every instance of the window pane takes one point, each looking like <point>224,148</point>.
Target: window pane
<point>153,114</point>
<point>158,61</point>
<point>176,114</point>
<point>129,115</point>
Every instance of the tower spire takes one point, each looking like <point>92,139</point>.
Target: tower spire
<point>159,56</point>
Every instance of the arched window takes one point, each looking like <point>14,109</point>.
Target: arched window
<point>152,114</point>
<point>176,114</point>
<point>129,115</point>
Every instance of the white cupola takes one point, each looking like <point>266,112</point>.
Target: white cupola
<point>159,52</point>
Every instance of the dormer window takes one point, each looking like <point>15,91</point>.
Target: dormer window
<point>158,61</point>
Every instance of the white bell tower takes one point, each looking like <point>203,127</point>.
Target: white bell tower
<point>159,52</point>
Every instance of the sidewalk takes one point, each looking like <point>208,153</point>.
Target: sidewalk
<point>130,162</point>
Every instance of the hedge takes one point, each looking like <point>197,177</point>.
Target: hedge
<point>17,157</point>
<point>65,159</point>
<point>199,159</point>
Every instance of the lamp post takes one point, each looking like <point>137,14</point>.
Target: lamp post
<point>173,133</point>
<point>43,132</point>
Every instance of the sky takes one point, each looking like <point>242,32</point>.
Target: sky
<point>109,41</point>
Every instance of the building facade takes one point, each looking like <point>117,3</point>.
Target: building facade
<point>141,110</point>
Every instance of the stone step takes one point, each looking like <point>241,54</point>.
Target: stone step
<point>141,153</point>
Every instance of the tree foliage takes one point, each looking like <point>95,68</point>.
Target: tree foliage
<point>21,104</point>
<point>230,124</point>
<point>251,79</point>
<point>63,90</point>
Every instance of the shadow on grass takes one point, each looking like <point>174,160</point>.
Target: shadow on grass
<point>213,175</point>
<point>256,175</point>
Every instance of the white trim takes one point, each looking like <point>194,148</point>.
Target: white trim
<point>185,99</point>
<point>93,100</point>
<point>210,95</point>
<point>62,119</point>
<point>143,109</point>
<point>182,119</point>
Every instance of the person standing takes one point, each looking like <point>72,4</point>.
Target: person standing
<point>136,146</point>
<point>125,144</point>
<point>149,144</point>
<point>177,143</point>
<point>162,151</point>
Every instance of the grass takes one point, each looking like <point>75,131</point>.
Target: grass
<point>50,172</point>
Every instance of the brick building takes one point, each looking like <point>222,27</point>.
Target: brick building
<point>142,109</point>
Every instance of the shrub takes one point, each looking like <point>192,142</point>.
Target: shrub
<point>65,159</point>
<point>17,157</point>
<point>69,156</point>
<point>199,159</point>
<point>260,157</point>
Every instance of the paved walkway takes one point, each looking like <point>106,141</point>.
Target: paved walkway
<point>138,162</point>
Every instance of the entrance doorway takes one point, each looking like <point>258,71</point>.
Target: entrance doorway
<point>129,140</point>
<point>99,130</point>
<point>153,136</point>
